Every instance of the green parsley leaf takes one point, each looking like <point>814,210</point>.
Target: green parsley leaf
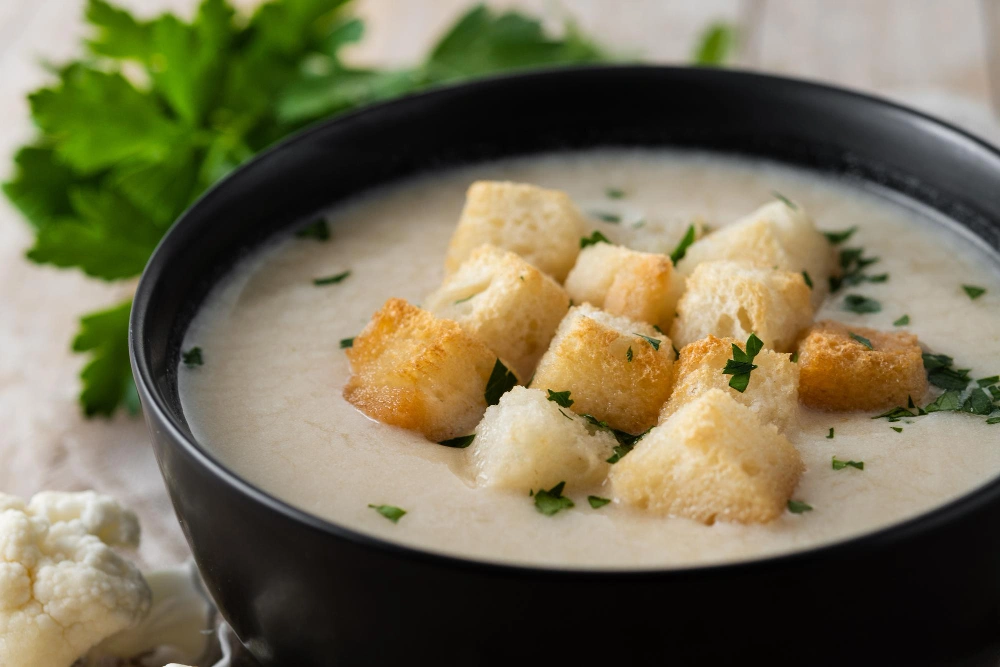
<point>861,339</point>
<point>902,321</point>
<point>552,501</point>
<point>784,200</point>
<point>628,354</point>
<point>949,378</point>
<point>995,391</point>
<point>798,507</point>
<point>685,243</point>
<point>465,299</point>
<point>741,365</point>
<point>617,453</point>
<point>935,361</point>
<point>993,420</point>
<point>973,291</point>
<point>985,382</point>
<point>754,346</point>
<point>738,367</point>
<point>830,435</point>
<point>895,414</point>
<point>840,465</point>
<point>391,513</point>
<point>677,353</point>
<point>836,238</point>
<point>595,238</point>
<point>560,398</point>
<point>501,381</point>
<point>597,502</point>
<point>716,45</point>
<point>809,282</point>
<point>331,280</point>
<point>346,343</point>
<point>565,415</point>
<point>319,230</point>
<point>107,377</point>
<point>852,264</point>
<point>192,357</point>
<point>614,193</point>
<point>949,401</point>
<point>655,342</point>
<point>461,442</point>
<point>897,429</point>
<point>856,303</point>
<point>978,403</point>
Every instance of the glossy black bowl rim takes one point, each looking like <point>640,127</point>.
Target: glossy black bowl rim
<point>159,413</point>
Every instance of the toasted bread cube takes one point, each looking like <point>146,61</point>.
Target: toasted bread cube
<point>775,236</point>
<point>529,442</point>
<point>838,372</point>
<point>773,392</point>
<point>711,460</point>
<point>413,370</point>
<point>624,282</point>
<point>734,299</point>
<point>543,226</point>
<point>590,357</point>
<point>507,303</point>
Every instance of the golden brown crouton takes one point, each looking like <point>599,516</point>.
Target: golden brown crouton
<point>838,372</point>
<point>772,394</point>
<point>624,282</point>
<point>775,236</point>
<point>735,299</point>
<point>529,442</point>
<point>614,373</point>
<point>504,301</point>
<point>711,460</point>
<point>543,226</point>
<point>413,370</point>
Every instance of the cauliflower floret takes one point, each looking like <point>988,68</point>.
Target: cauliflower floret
<point>62,587</point>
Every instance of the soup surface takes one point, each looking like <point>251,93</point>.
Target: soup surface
<point>267,400</point>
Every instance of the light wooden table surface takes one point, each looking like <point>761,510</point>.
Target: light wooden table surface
<point>931,53</point>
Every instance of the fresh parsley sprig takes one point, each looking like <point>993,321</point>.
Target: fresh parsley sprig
<point>741,365</point>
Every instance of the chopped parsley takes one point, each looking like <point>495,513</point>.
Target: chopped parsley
<point>897,429</point>
<point>935,361</point>
<point>861,339</point>
<point>552,501</point>
<point>655,342</point>
<point>331,280</point>
<point>852,265</point>
<point>470,296</point>
<point>614,193</point>
<point>595,238</point>
<point>501,381</point>
<point>798,507</point>
<point>985,382</point>
<point>618,452</point>
<point>856,303</point>
<point>978,403</point>
<point>564,414</point>
<point>192,357</point>
<point>840,465</point>
<point>949,378</point>
<point>391,513</point>
<point>597,502</point>
<point>784,200</point>
<point>346,343</point>
<point>795,357</point>
<point>628,354</point>
<point>608,217</point>
<point>973,291</point>
<point>741,365</point>
<point>461,442</point>
<point>836,238</point>
<point>685,242</point>
<point>830,434</point>
<point>895,414</point>
<point>902,321</point>
<point>560,398</point>
<point>809,282</point>
<point>318,230</point>
<point>949,401</point>
<point>993,420</point>
<point>677,353</point>
<point>996,393</point>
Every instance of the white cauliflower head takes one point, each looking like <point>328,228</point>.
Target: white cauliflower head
<point>62,587</point>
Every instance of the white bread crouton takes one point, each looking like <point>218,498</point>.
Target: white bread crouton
<point>507,303</point>
<point>590,357</point>
<point>775,236</point>
<point>773,392</point>
<point>624,282</point>
<point>838,372</point>
<point>711,460</point>
<point>413,370</point>
<point>529,442</point>
<point>734,299</point>
<point>543,226</point>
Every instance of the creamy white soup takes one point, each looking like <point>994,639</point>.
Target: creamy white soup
<point>267,400</point>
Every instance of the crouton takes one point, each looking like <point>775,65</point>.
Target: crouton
<point>613,372</point>
<point>413,370</point>
<point>529,442</point>
<point>773,392</point>
<point>624,282</point>
<point>734,299</point>
<point>711,460</point>
<point>775,236</point>
<point>507,303</point>
<point>838,372</point>
<point>543,226</point>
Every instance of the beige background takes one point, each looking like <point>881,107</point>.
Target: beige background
<point>930,53</point>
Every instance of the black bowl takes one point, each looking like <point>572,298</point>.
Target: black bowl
<point>302,591</point>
